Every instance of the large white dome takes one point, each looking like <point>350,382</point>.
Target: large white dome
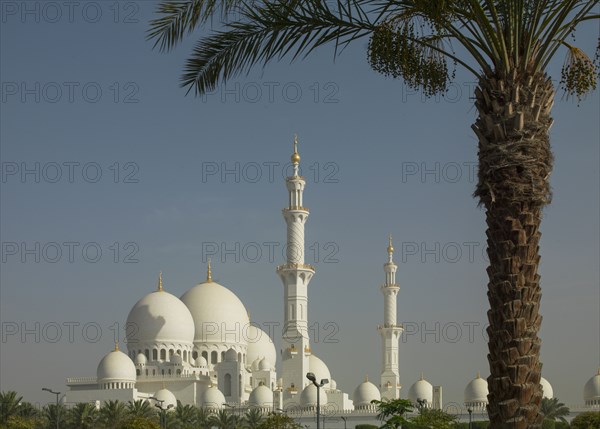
<point>421,390</point>
<point>547,391</point>
<point>364,393</point>
<point>591,390</point>
<point>116,366</point>
<point>308,397</point>
<point>213,398</point>
<point>476,391</point>
<point>165,398</point>
<point>159,318</point>
<point>319,369</point>
<point>260,345</point>
<point>261,396</point>
<point>219,315</point>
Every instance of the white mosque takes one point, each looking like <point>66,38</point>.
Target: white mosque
<point>201,349</point>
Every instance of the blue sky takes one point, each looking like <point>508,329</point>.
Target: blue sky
<point>87,98</point>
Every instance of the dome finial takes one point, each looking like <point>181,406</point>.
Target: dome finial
<point>478,375</point>
<point>390,248</point>
<point>116,346</point>
<point>208,272</point>
<point>366,378</point>
<point>295,155</point>
<point>422,378</point>
<point>160,283</point>
<point>598,373</point>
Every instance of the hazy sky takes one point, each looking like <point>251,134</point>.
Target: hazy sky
<point>121,162</point>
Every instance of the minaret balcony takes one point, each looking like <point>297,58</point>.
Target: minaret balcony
<point>293,267</point>
<point>390,326</point>
<point>390,286</point>
<point>296,209</point>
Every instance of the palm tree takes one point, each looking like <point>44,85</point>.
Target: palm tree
<point>223,419</point>
<point>9,405</point>
<point>52,413</point>
<point>112,414</point>
<point>252,418</point>
<point>554,410</point>
<point>203,418</point>
<point>140,408</point>
<point>82,416</point>
<point>185,416</point>
<point>507,45</point>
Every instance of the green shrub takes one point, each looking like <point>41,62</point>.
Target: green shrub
<point>587,420</point>
<point>548,424</point>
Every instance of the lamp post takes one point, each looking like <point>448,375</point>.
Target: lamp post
<point>470,411</point>
<point>45,389</point>
<point>323,382</point>
<point>344,419</point>
<point>163,410</point>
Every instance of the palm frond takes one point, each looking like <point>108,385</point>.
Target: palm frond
<point>274,30</point>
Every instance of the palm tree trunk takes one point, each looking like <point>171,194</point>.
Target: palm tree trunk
<point>515,162</point>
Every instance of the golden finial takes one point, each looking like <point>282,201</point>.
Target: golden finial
<point>208,272</point>
<point>478,375</point>
<point>248,311</point>
<point>366,378</point>
<point>598,373</point>
<point>295,155</point>
<point>390,248</point>
<point>116,346</point>
<point>422,378</point>
<point>160,284</point>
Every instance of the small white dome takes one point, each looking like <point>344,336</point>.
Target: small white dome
<point>364,393</point>
<point>213,398</point>
<point>264,365</point>
<point>167,398</point>
<point>260,345</point>
<point>476,391</point>
<point>332,384</point>
<point>160,317</point>
<point>201,362</point>
<point>116,366</point>
<point>212,304</point>
<point>308,397</point>
<point>261,396</point>
<point>231,356</point>
<point>591,390</point>
<point>547,391</point>
<point>319,369</point>
<point>140,359</point>
<point>421,390</point>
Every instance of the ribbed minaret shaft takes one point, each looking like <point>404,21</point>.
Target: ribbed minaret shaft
<point>390,331</point>
<point>295,276</point>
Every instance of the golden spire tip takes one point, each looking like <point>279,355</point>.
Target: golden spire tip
<point>160,282</point>
<point>366,378</point>
<point>295,155</point>
<point>422,378</point>
<point>478,374</point>
<point>208,272</point>
<point>116,346</point>
<point>390,248</point>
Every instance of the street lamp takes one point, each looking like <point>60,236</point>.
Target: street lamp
<point>163,410</point>
<point>344,419</point>
<point>324,381</point>
<point>470,411</point>
<point>45,389</point>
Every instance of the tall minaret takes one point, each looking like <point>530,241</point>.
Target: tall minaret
<point>295,275</point>
<point>390,331</point>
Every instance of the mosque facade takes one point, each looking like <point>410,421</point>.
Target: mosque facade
<point>201,348</point>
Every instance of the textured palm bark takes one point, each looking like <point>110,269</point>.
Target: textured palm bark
<point>515,162</point>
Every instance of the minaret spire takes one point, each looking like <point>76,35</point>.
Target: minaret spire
<point>390,331</point>
<point>160,283</point>
<point>295,276</point>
